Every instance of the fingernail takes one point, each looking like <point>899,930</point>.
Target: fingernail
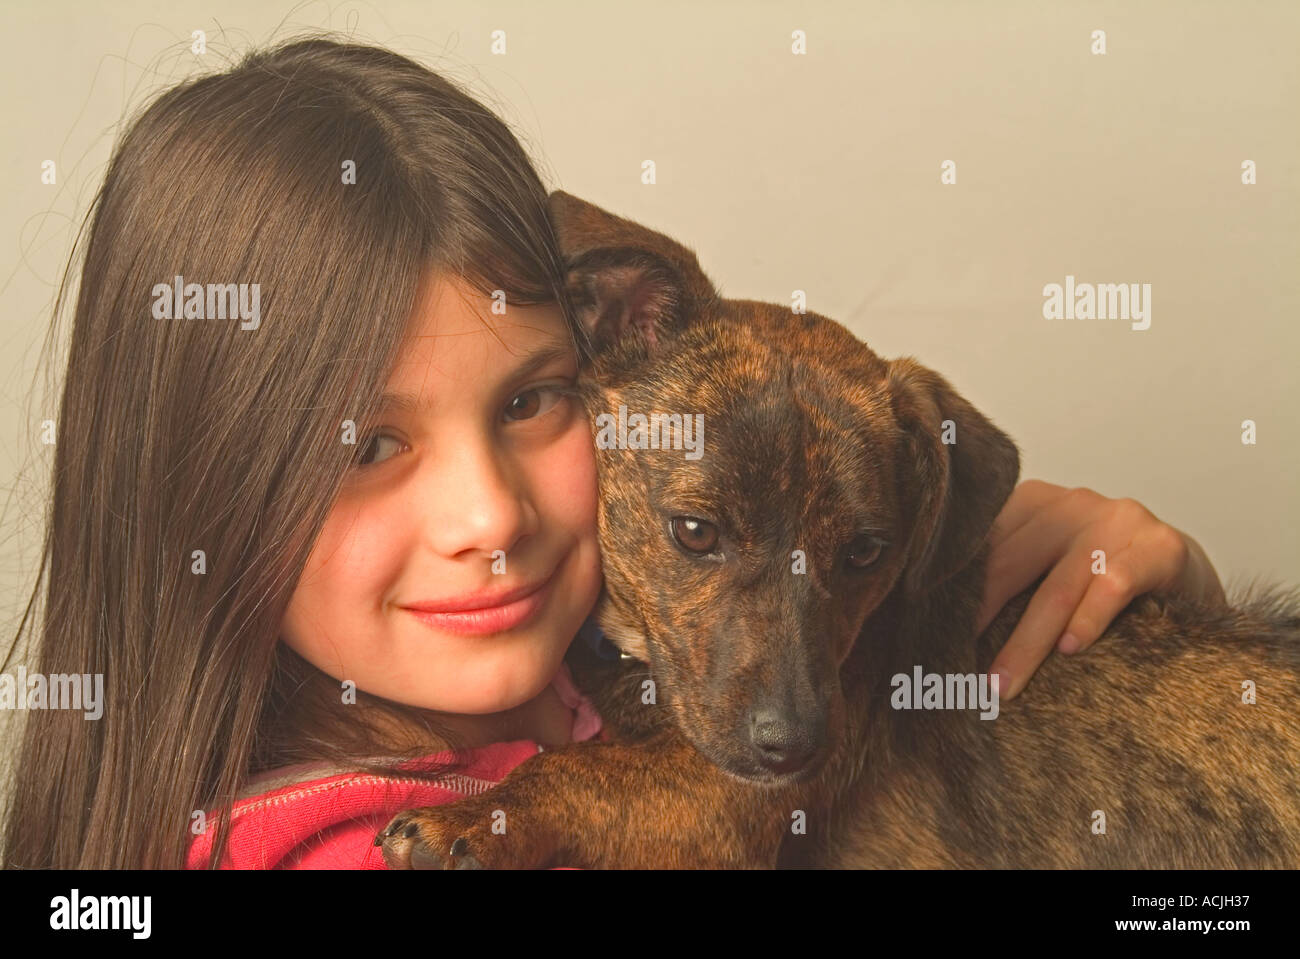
<point>1004,683</point>
<point>1069,644</point>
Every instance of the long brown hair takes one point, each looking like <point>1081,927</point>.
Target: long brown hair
<point>197,434</point>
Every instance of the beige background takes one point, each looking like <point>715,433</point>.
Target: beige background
<point>821,173</point>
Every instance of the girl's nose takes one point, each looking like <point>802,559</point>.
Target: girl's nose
<point>477,502</point>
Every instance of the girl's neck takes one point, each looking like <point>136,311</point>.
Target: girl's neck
<point>544,718</point>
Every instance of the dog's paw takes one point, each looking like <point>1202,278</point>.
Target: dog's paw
<point>438,837</point>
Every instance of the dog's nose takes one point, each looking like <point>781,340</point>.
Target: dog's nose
<point>783,745</point>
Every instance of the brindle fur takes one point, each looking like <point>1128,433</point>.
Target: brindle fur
<point>809,438</point>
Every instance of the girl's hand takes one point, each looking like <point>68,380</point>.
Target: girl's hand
<point>1043,524</point>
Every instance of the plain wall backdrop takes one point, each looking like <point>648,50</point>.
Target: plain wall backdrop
<point>822,172</point>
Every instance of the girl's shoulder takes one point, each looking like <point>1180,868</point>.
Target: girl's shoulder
<point>318,816</point>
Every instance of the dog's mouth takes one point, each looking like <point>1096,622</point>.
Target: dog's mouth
<point>760,745</point>
<point>762,764</point>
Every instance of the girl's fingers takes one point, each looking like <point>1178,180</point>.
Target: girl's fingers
<point>1154,560</point>
<point>1052,606</point>
<point>1074,605</point>
<point>1045,527</point>
<point>1026,500</point>
<point>1039,541</point>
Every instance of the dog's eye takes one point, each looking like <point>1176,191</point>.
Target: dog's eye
<point>694,535</point>
<point>864,550</point>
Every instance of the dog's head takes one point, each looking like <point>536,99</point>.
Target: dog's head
<point>743,559</point>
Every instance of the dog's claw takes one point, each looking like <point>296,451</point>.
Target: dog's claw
<point>458,857</point>
<point>460,851</point>
<point>405,849</point>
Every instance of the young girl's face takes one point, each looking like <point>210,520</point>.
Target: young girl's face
<point>475,460</point>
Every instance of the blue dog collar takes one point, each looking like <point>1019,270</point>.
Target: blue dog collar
<point>597,641</point>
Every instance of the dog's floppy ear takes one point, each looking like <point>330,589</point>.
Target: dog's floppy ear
<point>624,278</point>
<point>959,485</point>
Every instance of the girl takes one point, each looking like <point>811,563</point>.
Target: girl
<point>352,521</point>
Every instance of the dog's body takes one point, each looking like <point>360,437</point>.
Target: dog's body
<point>1148,727</point>
<point>831,539</point>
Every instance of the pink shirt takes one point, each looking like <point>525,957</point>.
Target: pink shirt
<point>316,816</point>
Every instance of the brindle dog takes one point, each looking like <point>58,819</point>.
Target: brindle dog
<point>831,538</point>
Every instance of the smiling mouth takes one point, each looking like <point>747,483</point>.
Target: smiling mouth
<point>520,607</point>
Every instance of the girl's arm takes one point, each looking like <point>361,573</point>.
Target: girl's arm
<point>1044,526</point>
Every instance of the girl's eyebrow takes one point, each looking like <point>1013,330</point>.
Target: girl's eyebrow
<point>406,402</point>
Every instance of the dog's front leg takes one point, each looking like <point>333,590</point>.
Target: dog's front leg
<point>652,805</point>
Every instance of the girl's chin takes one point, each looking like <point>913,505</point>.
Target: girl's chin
<point>484,699</point>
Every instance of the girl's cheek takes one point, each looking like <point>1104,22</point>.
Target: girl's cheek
<point>569,473</point>
<point>347,578</point>
<point>353,559</point>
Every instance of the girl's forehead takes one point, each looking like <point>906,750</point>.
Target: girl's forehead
<point>450,308</point>
<point>455,336</point>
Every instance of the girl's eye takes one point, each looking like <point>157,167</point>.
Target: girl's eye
<point>533,403</point>
<point>379,447</point>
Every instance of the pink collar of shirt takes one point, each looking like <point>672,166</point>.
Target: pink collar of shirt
<point>316,816</point>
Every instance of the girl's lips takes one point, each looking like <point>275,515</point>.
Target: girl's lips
<point>488,619</point>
